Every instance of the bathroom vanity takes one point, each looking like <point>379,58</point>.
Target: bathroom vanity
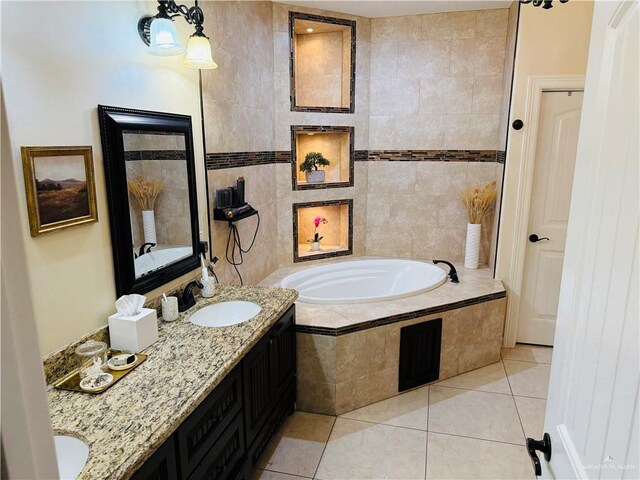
<point>204,405</point>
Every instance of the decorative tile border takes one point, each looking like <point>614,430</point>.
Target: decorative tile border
<point>295,130</point>
<point>335,332</point>
<point>501,156</point>
<point>218,161</point>
<point>432,155</point>
<point>292,59</point>
<point>133,155</point>
<point>328,203</point>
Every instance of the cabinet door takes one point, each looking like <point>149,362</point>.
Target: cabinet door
<point>283,352</point>
<point>226,459</point>
<point>205,425</point>
<point>258,387</point>
<point>161,465</point>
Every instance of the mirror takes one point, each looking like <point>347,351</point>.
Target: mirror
<point>151,189</point>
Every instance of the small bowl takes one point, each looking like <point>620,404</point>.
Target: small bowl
<point>127,366</point>
<point>96,383</point>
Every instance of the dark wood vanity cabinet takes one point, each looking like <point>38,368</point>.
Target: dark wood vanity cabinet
<point>225,436</point>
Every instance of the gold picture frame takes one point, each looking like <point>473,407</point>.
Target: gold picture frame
<point>65,194</point>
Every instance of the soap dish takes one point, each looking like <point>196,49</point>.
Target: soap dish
<point>96,383</point>
<point>112,366</point>
<point>71,381</point>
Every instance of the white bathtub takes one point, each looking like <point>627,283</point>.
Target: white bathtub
<point>364,281</point>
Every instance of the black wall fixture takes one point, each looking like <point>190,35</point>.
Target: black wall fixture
<point>517,124</point>
<point>546,4</point>
<point>420,346</point>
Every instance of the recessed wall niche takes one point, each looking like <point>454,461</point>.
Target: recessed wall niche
<point>334,143</point>
<point>337,232</point>
<point>323,56</point>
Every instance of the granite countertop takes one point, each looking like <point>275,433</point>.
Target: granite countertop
<point>474,285</point>
<point>126,423</point>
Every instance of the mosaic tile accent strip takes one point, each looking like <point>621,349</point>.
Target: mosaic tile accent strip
<point>295,129</point>
<point>327,203</point>
<point>432,155</point>
<point>501,156</point>
<point>352,77</point>
<point>133,155</point>
<point>219,161</point>
<point>335,332</point>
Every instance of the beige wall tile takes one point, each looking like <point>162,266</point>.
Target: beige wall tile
<point>463,24</point>
<point>316,357</point>
<point>492,23</point>
<point>316,397</point>
<point>477,131</point>
<point>441,178</point>
<point>487,94</point>
<point>437,26</point>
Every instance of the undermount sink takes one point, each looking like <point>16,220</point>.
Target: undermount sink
<point>225,314</point>
<point>72,454</point>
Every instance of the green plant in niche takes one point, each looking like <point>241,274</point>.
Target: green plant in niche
<point>312,161</point>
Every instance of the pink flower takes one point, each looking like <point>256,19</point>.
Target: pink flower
<point>318,220</point>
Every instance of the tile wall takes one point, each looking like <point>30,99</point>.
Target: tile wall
<point>426,82</point>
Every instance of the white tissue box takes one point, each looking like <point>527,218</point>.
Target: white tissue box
<point>134,333</point>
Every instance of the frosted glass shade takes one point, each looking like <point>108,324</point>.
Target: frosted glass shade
<point>199,53</point>
<point>164,38</point>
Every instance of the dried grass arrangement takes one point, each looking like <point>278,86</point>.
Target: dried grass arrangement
<point>145,191</point>
<point>479,201</point>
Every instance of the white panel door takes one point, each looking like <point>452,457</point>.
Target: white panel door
<point>556,144</point>
<point>592,408</point>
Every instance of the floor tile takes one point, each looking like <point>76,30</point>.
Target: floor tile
<point>531,411</point>
<point>269,475</point>
<point>528,353</point>
<point>491,378</point>
<point>490,416</point>
<point>528,379</point>
<point>406,410</point>
<point>298,446</point>
<point>361,450</point>
<point>470,458</point>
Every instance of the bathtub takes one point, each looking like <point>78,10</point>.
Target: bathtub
<point>364,281</point>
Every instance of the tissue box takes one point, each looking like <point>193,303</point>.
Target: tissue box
<point>133,333</point>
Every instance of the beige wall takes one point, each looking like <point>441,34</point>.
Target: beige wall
<point>52,100</point>
<point>566,31</point>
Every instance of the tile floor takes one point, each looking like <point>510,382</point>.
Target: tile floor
<point>471,426</point>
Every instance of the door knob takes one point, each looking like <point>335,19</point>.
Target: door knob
<point>533,238</point>
<point>543,446</point>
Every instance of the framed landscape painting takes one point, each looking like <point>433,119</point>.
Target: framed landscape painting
<point>60,187</point>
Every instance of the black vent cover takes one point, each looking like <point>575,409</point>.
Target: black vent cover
<point>420,354</point>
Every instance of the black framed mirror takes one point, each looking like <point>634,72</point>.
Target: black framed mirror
<point>151,190</point>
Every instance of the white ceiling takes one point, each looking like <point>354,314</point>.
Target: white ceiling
<point>394,8</point>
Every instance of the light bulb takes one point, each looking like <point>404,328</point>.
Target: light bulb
<point>164,38</point>
<point>309,30</point>
<point>199,53</point>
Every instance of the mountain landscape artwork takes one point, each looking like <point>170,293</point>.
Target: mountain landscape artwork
<point>60,187</point>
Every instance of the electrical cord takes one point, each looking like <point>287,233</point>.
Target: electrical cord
<point>237,245</point>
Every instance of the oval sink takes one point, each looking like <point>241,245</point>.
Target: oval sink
<point>225,314</point>
<point>72,454</point>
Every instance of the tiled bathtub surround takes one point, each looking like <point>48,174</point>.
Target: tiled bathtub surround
<point>351,359</point>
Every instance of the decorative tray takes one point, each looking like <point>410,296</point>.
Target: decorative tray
<point>71,381</point>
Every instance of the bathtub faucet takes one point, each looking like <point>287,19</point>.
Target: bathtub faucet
<point>453,273</point>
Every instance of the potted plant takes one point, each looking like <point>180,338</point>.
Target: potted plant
<point>312,161</point>
<point>315,241</point>
<point>479,202</point>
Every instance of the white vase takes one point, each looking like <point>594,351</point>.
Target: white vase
<point>149,226</point>
<point>315,246</point>
<point>315,176</point>
<point>472,250</point>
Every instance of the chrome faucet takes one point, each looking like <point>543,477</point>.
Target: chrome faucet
<point>148,246</point>
<point>187,300</point>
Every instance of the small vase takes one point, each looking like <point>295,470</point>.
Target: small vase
<point>149,226</point>
<point>472,250</point>
<point>315,176</point>
<point>315,246</point>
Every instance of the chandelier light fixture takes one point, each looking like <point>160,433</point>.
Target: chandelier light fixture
<point>160,35</point>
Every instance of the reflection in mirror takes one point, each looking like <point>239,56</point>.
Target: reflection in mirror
<point>156,168</point>
<point>151,191</point>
